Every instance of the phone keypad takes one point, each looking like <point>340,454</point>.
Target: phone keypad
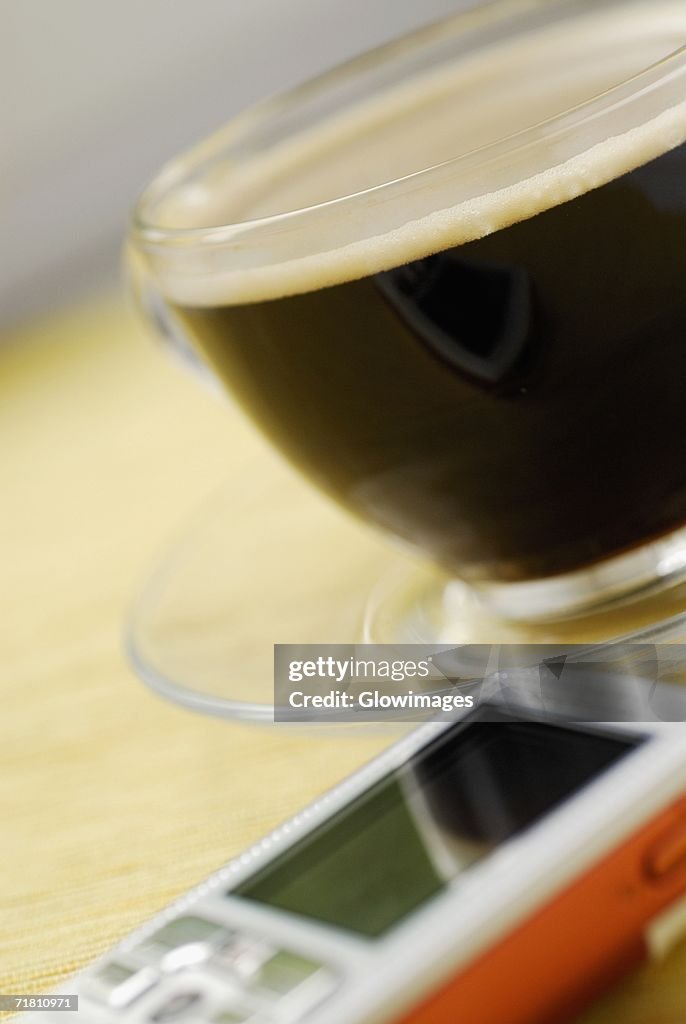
<point>203,971</point>
<point>242,956</point>
<point>119,985</point>
<point>179,1005</point>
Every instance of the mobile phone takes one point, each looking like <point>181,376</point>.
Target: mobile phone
<point>501,867</point>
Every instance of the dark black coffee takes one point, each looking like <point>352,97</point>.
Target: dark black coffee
<point>516,405</point>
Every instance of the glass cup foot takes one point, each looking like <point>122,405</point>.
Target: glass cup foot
<point>420,605</point>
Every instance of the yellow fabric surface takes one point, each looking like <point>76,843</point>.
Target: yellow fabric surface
<point>114,801</point>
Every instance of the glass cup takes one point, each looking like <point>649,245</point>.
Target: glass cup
<point>448,281</point>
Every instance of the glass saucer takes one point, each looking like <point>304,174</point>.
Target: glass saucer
<point>266,560</point>
<point>269,560</point>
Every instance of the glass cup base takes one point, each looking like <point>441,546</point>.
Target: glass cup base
<point>627,577</point>
<point>202,628</point>
<point>411,604</point>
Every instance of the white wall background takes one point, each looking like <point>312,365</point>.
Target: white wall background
<point>97,93</point>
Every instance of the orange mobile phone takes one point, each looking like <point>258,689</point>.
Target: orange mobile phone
<point>499,868</point>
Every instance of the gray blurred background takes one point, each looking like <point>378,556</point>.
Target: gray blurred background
<point>98,94</point>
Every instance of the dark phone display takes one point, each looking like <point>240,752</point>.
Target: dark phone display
<point>408,836</point>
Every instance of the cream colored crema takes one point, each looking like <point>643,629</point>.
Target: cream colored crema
<point>452,118</point>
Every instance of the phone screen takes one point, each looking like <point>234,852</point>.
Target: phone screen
<point>414,832</point>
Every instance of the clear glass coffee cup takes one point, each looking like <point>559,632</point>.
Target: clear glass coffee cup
<point>448,281</point>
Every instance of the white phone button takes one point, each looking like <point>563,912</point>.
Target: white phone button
<point>118,985</point>
<point>242,956</point>
<point>190,955</point>
<point>285,971</point>
<point>239,1016</point>
<point>294,982</point>
<point>177,1006</point>
<point>189,930</point>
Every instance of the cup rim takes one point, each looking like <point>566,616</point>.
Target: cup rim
<point>484,24</point>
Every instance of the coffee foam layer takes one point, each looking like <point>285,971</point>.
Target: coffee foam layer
<point>425,123</point>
